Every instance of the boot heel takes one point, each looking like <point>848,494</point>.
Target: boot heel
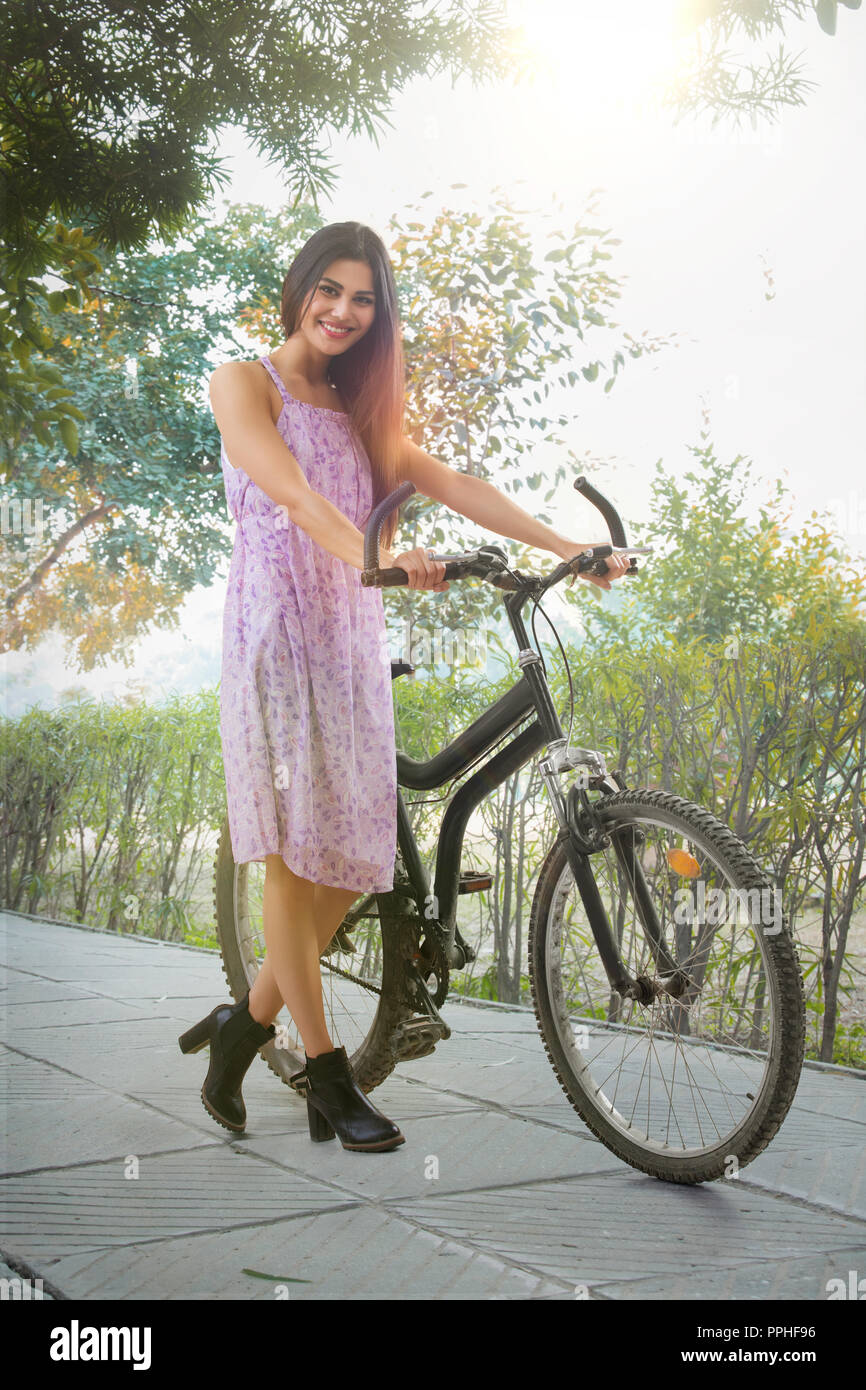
<point>320,1130</point>
<point>195,1038</point>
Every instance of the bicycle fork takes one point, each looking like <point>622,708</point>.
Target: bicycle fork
<point>584,835</point>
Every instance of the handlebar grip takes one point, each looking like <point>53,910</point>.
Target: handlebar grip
<point>390,579</point>
<point>607,509</point>
<point>455,568</point>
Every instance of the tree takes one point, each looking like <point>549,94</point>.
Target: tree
<point>107,114</point>
<point>136,518</point>
<point>716,574</point>
<point>717,81</point>
<point>493,327</point>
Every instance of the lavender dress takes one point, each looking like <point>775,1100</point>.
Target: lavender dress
<point>306,713</point>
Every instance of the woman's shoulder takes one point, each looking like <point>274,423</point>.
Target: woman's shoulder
<point>237,370</point>
<point>238,367</point>
<point>246,377</point>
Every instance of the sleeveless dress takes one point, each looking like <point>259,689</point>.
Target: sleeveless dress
<point>306,712</point>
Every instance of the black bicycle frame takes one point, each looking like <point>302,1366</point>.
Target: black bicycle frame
<point>530,693</point>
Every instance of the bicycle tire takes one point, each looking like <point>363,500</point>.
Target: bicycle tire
<point>722,1053</point>
<point>371,1058</point>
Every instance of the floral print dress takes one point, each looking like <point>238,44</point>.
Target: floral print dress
<point>306,711</point>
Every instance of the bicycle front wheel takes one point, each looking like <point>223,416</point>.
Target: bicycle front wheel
<point>693,1083</point>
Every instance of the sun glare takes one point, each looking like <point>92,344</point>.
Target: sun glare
<point>613,55</point>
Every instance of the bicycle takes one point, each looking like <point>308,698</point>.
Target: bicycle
<point>649,945</point>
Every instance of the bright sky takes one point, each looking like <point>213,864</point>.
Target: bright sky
<point>702,215</point>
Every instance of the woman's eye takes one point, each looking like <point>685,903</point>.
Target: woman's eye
<point>329,289</point>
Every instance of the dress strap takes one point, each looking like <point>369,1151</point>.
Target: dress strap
<point>278,382</point>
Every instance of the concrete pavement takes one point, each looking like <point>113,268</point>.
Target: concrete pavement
<point>117,1185</point>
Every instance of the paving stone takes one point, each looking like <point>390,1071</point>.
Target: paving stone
<point>591,1229</point>
<point>469,1149</point>
<point>28,989</point>
<point>473,1067</point>
<point>120,1056</point>
<point>528,1202</point>
<point>46,1215</point>
<point>90,1011</point>
<point>832,1174</point>
<point>52,1119</point>
<point>844,1097</point>
<point>806,1279</point>
<point>355,1254</point>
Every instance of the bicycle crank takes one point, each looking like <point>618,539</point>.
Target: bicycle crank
<point>417,1037</point>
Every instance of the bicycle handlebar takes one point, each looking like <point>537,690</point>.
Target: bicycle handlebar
<point>490,562</point>
<point>374,527</point>
<point>607,509</point>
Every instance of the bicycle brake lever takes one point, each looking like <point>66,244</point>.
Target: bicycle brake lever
<point>596,558</point>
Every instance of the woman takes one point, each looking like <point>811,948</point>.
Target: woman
<point>311,439</point>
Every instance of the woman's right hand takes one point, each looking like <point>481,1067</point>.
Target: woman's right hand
<point>423,573</point>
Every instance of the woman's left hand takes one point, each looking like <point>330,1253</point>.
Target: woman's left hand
<point>616,564</point>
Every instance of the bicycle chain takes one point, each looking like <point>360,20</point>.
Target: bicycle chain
<point>356,979</point>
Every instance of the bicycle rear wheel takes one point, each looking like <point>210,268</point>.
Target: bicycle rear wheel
<point>362,986</point>
<point>687,1088</point>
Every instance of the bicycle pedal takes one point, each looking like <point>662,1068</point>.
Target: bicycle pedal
<point>417,1037</point>
<point>471,881</point>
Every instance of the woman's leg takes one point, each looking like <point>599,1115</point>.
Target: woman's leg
<point>330,907</point>
<point>299,920</point>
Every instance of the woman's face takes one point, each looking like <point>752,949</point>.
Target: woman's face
<point>342,308</point>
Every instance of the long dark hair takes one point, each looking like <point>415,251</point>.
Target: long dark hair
<point>370,375</point>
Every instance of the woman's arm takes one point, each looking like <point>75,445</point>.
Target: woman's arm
<point>254,444</point>
<point>480,501</point>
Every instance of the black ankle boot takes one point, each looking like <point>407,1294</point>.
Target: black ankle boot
<point>335,1102</point>
<point>234,1038</point>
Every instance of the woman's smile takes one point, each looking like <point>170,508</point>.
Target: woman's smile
<point>333,330</point>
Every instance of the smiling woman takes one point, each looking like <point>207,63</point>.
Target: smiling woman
<point>310,432</point>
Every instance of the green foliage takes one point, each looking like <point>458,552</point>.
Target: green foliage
<point>33,394</point>
<point>106,809</point>
<point>143,494</point>
<point>849,1048</point>
<point>108,116</point>
<point>723,82</point>
<point>717,574</point>
<point>494,325</point>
